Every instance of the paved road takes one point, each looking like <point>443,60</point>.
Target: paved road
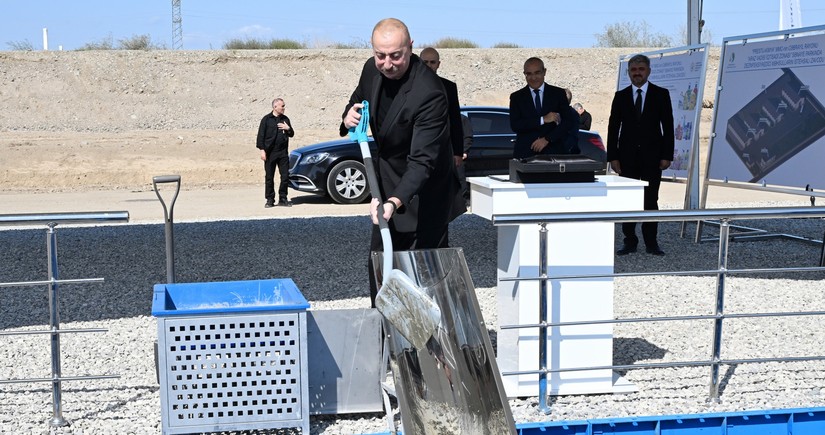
<point>247,202</point>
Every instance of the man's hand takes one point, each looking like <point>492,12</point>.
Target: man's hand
<point>284,126</point>
<point>552,117</point>
<point>616,166</point>
<point>539,144</point>
<point>387,209</point>
<point>263,155</point>
<point>459,160</point>
<point>664,164</point>
<point>353,115</point>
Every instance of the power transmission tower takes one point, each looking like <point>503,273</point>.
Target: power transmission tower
<point>177,31</point>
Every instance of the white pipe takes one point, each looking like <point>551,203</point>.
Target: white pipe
<point>45,39</point>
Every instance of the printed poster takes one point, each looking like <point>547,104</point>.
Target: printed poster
<point>769,120</point>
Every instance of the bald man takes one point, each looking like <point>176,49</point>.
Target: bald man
<point>409,122</point>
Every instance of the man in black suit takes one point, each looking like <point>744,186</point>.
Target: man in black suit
<point>274,132</point>
<point>409,122</point>
<point>585,119</point>
<point>432,59</point>
<point>458,126</point>
<point>640,144</point>
<point>541,116</point>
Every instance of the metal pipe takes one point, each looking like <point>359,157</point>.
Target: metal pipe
<point>57,281</point>
<point>543,407</point>
<point>64,378</point>
<point>57,419</point>
<point>65,218</point>
<point>667,319</point>
<point>671,273</point>
<point>671,365</point>
<point>724,230</point>
<point>661,215</point>
<point>60,331</point>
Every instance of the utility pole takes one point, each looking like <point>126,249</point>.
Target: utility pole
<point>177,31</point>
<point>694,22</point>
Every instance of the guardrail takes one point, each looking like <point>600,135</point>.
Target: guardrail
<point>725,216</point>
<point>51,221</point>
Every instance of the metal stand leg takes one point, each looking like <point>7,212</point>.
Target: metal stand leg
<point>724,230</point>
<point>543,407</point>
<point>57,419</point>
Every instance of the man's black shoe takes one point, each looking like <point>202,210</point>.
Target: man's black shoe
<point>626,249</point>
<point>269,205</point>
<point>655,250</point>
<point>285,203</point>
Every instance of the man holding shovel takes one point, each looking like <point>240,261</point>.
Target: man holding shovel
<point>408,120</point>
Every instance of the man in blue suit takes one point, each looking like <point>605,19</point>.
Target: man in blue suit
<point>640,144</point>
<point>541,116</point>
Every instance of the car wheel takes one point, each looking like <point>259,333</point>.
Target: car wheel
<point>347,183</point>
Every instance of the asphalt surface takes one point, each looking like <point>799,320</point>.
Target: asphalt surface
<point>247,202</point>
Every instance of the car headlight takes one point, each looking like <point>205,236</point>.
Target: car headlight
<point>316,158</point>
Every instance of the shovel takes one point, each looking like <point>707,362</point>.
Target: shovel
<point>406,306</point>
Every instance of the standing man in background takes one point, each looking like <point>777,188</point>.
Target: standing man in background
<point>432,59</point>
<point>539,115</point>
<point>458,132</point>
<point>273,141</point>
<point>409,122</point>
<point>585,119</point>
<point>640,144</point>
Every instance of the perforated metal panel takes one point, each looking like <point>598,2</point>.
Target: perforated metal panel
<point>234,372</point>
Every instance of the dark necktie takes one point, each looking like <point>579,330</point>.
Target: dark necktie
<point>638,103</point>
<point>538,101</point>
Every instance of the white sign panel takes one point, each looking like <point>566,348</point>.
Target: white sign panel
<point>769,122</point>
<point>683,76</point>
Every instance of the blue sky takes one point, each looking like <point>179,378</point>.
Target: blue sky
<point>208,24</point>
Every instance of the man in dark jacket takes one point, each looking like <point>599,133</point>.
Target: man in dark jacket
<point>541,116</point>
<point>640,143</point>
<point>409,121</point>
<point>273,141</point>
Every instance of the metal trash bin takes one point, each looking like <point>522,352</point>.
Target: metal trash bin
<point>232,356</point>
<point>454,385</point>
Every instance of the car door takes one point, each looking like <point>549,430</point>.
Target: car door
<point>493,142</point>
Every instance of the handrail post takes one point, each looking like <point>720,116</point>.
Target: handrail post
<point>57,419</point>
<point>543,318</point>
<point>724,231</point>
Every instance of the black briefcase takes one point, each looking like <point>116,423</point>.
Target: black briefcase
<point>555,168</point>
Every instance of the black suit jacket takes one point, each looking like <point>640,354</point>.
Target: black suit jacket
<point>415,157</point>
<point>272,139</point>
<point>454,113</point>
<point>639,144</point>
<point>525,122</point>
<point>585,119</point>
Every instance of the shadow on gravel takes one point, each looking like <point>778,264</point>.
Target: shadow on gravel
<point>627,351</point>
<point>325,256</point>
<point>682,254</point>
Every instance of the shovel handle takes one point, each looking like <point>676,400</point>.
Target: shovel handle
<point>359,134</point>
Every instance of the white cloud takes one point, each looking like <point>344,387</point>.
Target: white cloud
<point>254,31</point>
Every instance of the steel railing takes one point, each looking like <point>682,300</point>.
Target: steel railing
<point>54,331</point>
<point>725,216</point>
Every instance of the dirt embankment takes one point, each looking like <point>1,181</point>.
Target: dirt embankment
<point>113,119</point>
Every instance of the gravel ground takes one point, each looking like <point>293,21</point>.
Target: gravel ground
<point>131,259</point>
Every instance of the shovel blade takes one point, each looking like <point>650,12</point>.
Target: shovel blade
<point>408,308</point>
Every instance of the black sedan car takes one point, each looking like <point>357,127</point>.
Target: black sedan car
<point>336,169</point>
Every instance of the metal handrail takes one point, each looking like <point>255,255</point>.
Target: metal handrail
<point>51,220</point>
<point>725,216</point>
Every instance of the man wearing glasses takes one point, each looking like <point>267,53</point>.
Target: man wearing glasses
<point>539,115</point>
